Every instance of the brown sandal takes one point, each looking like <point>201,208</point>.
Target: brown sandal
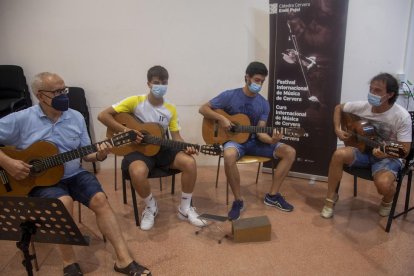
<point>133,269</point>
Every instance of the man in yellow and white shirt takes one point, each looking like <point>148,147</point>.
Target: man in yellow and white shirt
<point>154,108</point>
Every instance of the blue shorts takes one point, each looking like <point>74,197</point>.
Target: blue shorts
<point>254,147</point>
<point>81,187</point>
<point>366,160</point>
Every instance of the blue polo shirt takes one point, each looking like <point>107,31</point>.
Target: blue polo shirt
<point>23,128</point>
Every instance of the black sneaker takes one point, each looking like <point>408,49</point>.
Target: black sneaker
<point>236,208</point>
<point>278,201</point>
<point>72,270</point>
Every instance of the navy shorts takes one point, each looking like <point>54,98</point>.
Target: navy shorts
<point>366,160</point>
<point>254,147</point>
<point>81,187</point>
<point>163,159</point>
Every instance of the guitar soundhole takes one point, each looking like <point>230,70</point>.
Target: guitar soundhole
<point>234,127</point>
<point>37,166</point>
<point>146,135</point>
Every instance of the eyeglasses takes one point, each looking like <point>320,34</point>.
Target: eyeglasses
<point>58,92</point>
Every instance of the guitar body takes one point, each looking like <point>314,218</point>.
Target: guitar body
<point>36,151</point>
<point>353,124</point>
<point>365,137</point>
<point>131,122</point>
<point>214,134</point>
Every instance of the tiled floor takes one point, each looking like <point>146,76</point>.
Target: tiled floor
<point>302,243</point>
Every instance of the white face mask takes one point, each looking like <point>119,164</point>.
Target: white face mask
<point>159,90</point>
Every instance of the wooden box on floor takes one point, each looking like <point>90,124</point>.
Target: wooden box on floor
<point>255,229</point>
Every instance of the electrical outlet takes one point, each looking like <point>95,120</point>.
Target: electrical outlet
<point>401,78</point>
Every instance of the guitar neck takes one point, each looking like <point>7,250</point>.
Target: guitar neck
<point>257,129</point>
<point>369,142</point>
<point>179,145</point>
<point>61,158</point>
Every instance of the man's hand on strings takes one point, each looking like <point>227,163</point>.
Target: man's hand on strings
<point>18,169</point>
<point>342,135</point>
<point>226,123</point>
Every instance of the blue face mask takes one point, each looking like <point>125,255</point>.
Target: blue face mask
<point>255,88</point>
<point>374,100</point>
<point>61,102</point>
<point>159,90</point>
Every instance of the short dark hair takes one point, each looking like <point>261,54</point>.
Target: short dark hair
<point>391,84</point>
<point>157,71</point>
<point>256,68</point>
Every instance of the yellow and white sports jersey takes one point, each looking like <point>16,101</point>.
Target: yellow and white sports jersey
<point>165,114</point>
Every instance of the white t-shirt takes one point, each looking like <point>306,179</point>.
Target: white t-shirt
<point>392,125</point>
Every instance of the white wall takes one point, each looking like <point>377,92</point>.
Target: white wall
<point>106,47</point>
<point>377,32</point>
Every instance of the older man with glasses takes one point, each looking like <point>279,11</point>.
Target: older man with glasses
<point>53,121</point>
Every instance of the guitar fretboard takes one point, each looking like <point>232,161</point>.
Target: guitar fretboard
<point>61,158</point>
<point>369,142</point>
<point>155,140</point>
<point>257,129</point>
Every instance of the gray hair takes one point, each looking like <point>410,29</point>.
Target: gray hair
<point>37,83</point>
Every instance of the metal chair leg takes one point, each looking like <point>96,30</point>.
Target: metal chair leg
<point>173,184</point>
<point>161,184</point>
<point>79,212</point>
<point>407,195</point>
<point>135,204</point>
<point>116,174</point>
<point>124,189</point>
<point>394,204</point>
<point>258,170</point>
<point>218,171</point>
<point>227,193</point>
<point>355,185</point>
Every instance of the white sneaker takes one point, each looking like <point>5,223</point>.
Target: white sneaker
<point>328,212</point>
<point>147,219</point>
<point>385,209</point>
<point>192,216</point>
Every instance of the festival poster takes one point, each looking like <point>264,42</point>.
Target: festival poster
<point>307,41</point>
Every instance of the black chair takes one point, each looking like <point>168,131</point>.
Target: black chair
<point>14,93</point>
<point>154,173</point>
<point>365,173</point>
<point>77,101</point>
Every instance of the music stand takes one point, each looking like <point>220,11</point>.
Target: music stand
<point>26,219</point>
<point>214,219</point>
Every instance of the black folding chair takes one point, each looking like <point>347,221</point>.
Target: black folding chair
<point>365,173</point>
<point>14,93</point>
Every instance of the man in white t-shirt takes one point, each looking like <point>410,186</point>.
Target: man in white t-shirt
<point>392,123</point>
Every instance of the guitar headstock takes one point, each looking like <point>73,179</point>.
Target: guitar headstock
<point>123,138</point>
<point>215,149</point>
<point>294,132</point>
<point>395,150</point>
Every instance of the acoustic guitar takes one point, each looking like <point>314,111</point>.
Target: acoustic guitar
<point>47,163</point>
<point>364,136</point>
<point>154,138</point>
<point>240,132</point>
